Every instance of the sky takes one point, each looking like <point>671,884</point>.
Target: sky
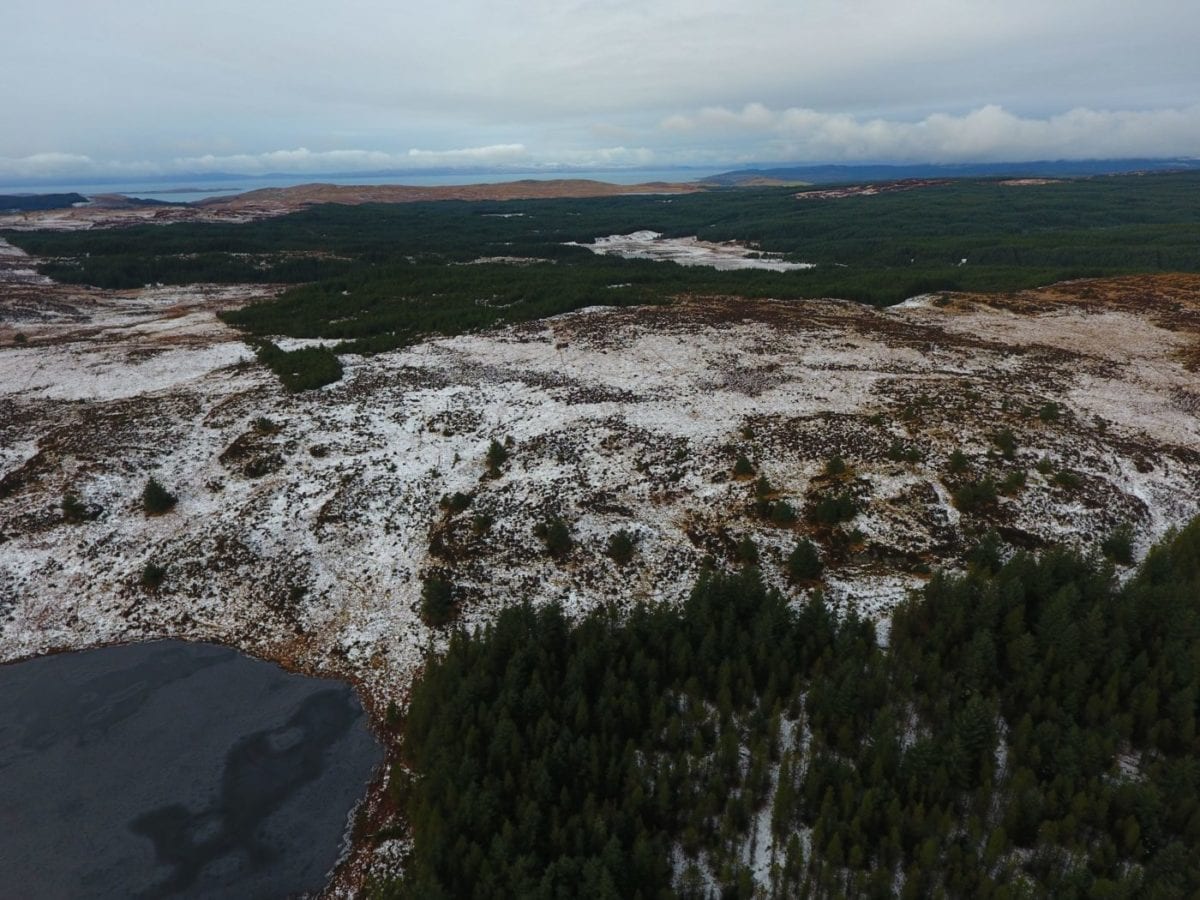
<point>131,88</point>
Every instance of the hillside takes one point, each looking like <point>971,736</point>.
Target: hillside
<point>112,211</point>
<point>10,203</point>
<point>856,174</point>
<point>564,441</point>
<point>307,538</point>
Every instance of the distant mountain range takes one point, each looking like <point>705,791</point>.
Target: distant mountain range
<point>835,174</point>
<point>27,196</point>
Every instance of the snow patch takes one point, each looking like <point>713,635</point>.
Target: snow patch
<point>689,251</point>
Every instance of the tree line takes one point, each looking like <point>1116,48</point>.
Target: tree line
<point>1029,729</point>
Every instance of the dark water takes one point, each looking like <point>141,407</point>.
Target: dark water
<point>172,769</point>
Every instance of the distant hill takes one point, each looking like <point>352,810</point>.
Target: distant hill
<point>835,174</point>
<point>29,202</point>
<point>300,195</point>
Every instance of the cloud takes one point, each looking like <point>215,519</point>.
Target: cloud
<point>54,165</point>
<point>305,161</point>
<point>575,77</point>
<point>299,160</point>
<point>716,136</point>
<point>495,154</point>
<point>302,161</point>
<point>602,157</point>
<point>713,135</point>
<point>989,133</point>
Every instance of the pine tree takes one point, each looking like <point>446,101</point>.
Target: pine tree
<point>156,499</point>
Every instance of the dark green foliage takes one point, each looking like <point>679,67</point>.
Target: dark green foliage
<point>1067,480</point>
<point>975,496</point>
<point>804,562</point>
<point>1080,671</point>
<point>391,716</point>
<point>1118,546</point>
<point>621,547</point>
<point>778,512</point>
<point>742,467</point>
<point>437,601</point>
<point>1044,465</point>
<point>74,510</point>
<point>135,269</point>
<point>1006,443</point>
<point>957,462</point>
<point>303,369</point>
<point>556,760</point>
<point>746,551</point>
<point>898,452</point>
<point>383,307</point>
<point>987,555</point>
<point>20,337</point>
<point>153,576</point>
<point>781,513</point>
<point>381,275</point>
<point>556,536</point>
<point>835,466</point>
<point>456,502</point>
<point>560,761</point>
<point>1013,482</point>
<point>156,499</point>
<point>1049,412</point>
<point>833,508</point>
<point>481,523</point>
<point>264,426</point>
<point>497,456</point>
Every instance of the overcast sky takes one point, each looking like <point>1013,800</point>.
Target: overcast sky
<point>128,87</point>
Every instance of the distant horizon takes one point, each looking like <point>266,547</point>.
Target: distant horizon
<point>216,183</point>
<point>303,177</point>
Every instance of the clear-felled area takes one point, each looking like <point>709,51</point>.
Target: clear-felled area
<point>174,769</point>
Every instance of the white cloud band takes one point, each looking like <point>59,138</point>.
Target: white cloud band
<point>302,161</point>
<point>987,134</point>
<point>721,137</point>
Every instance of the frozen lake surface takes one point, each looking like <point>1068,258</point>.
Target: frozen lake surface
<point>172,769</point>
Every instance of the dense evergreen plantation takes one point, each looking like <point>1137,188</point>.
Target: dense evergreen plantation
<point>135,270</point>
<point>300,370</point>
<point>380,276</point>
<point>1030,731</point>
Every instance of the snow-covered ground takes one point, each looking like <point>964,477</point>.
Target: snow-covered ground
<point>305,523</point>
<point>305,539</point>
<point>688,251</point>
